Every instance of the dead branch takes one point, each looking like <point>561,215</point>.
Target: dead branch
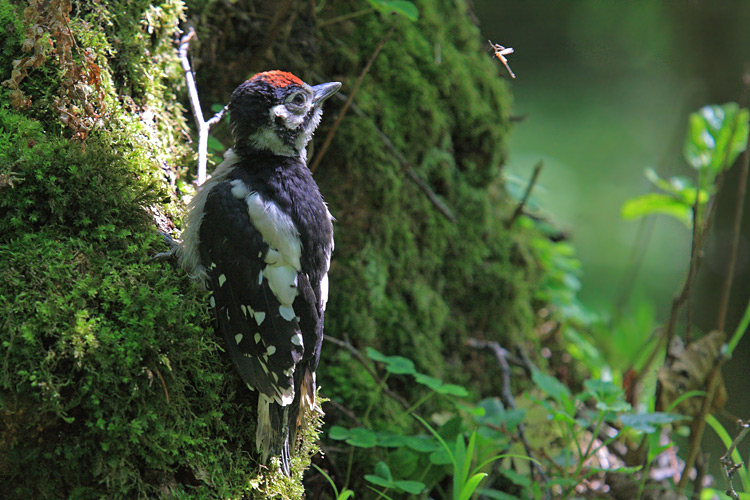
<point>334,128</point>
<point>529,187</point>
<point>359,357</point>
<point>730,468</point>
<point>195,104</point>
<point>506,394</point>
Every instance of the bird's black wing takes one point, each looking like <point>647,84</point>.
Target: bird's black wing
<point>263,338</point>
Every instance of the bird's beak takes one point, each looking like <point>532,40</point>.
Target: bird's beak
<point>324,91</point>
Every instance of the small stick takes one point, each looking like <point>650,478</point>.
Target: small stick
<point>730,468</point>
<point>348,103</point>
<point>736,228</point>
<point>358,355</point>
<point>406,165</point>
<point>506,395</point>
<point>526,194</point>
<point>195,104</point>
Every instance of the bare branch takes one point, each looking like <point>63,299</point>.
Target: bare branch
<point>506,395</point>
<point>359,357</point>
<point>334,128</point>
<point>519,209</point>
<point>730,468</point>
<point>195,104</point>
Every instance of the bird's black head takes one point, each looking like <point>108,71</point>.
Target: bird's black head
<point>276,112</point>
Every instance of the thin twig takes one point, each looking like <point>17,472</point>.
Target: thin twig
<point>529,187</point>
<point>699,423</point>
<point>506,394</point>
<point>736,228</point>
<point>406,166</point>
<point>436,202</point>
<point>335,126</point>
<point>195,104</point>
<point>344,17</point>
<point>730,468</point>
<point>163,383</point>
<point>359,357</point>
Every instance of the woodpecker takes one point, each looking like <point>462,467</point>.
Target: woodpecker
<point>260,237</point>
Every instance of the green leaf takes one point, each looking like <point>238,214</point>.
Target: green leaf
<point>716,136</point>
<point>441,457</point>
<point>338,433</point>
<point>496,495</point>
<point>389,439</point>
<point>375,355</point>
<point>453,390</point>
<point>496,415</point>
<point>519,479</point>
<point>471,485</point>
<point>382,470</point>
<point>413,487</point>
<point>431,382</point>
<point>362,438</point>
<point>400,365</point>
<point>658,203</point>
<point>608,396</point>
<point>422,443</point>
<point>550,385</point>
<point>648,422</point>
<point>402,7</point>
<point>679,187</point>
<point>379,481</point>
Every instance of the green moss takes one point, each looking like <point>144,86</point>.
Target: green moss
<point>412,282</point>
<point>111,380</point>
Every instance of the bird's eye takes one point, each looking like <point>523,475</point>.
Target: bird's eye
<point>297,99</point>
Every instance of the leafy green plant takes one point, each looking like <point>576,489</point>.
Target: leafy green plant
<point>574,418</point>
<point>465,479</point>
<point>345,494</point>
<point>716,136</point>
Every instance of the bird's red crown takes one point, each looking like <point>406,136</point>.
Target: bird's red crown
<point>278,78</point>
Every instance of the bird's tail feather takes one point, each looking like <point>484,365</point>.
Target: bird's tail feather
<point>272,434</point>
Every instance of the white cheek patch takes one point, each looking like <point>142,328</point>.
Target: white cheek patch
<point>266,139</point>
<point>291,120</point>
<point>305,135</point>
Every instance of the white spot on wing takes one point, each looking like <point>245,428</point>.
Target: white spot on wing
<point>259,317</point>
<point>222,279</point>
<point>286,312</point>
<point>270,350</point>
<point>297,339</point>
<point>285,397</point>
<point>282,280</point>
<point>257,338</point>
<point>238,338</point>
<point>212,301</point>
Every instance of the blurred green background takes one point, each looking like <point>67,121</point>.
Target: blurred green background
<point>604,89</point>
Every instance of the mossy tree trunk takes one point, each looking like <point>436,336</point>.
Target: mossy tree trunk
<point>112,383</point>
